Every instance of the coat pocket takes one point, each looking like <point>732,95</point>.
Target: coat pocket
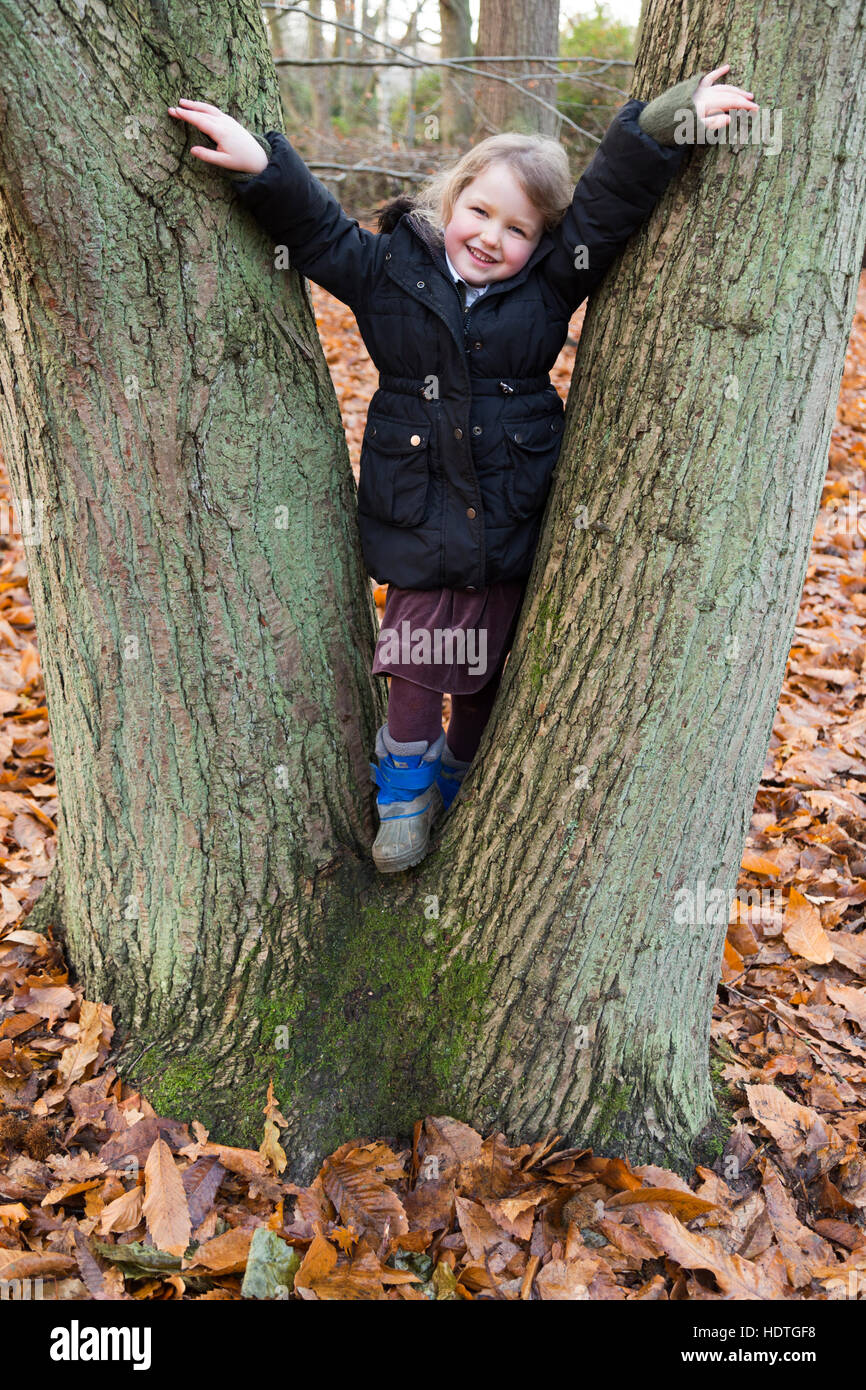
<point>532,446</point>
<point>394,471</point>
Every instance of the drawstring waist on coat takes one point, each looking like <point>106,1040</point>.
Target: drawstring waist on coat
<point>481,385</point>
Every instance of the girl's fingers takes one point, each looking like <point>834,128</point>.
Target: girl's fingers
<point>184,115</point>
<point>206,124</point>
<point>210,156</point>
<point>711,77</point>
<point>726,93</point>
<point>731,104</point>
<point>200,106</point>
<point>723,98</point>
<point>727,90</point>
<point>194,116</point>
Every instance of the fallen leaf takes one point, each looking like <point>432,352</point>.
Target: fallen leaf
<point>165,1206</point>
<point>685,1204</point>
<point>803,932</point>
<point>124,1213</point>
<point>363,1200</point>
<point>225,1254</point>
<point>736,1277</point>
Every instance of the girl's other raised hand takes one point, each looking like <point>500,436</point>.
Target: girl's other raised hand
<point>707,98</point>
<point>236,148</point>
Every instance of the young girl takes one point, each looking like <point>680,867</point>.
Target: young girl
<point>463,300</point>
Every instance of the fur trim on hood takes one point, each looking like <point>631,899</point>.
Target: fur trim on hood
<point>390,214</point>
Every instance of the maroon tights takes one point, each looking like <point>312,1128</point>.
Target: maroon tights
<point>416,713</point>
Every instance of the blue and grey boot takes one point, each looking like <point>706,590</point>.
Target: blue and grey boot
<point>408,799</point>
<point>450,779</point>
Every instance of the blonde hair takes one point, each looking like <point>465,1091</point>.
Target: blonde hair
<point>539,164</point>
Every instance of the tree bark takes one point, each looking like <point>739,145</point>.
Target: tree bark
<point>207,669</point>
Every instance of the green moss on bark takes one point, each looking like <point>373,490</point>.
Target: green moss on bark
<point>546,623</point>
<point>176,1089</point>
<point>369,1038</point>
<point>615,1099</point>
<point>382,1021</point>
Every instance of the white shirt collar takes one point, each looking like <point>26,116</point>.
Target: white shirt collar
<point>454,273</point>
<point>472,290</point>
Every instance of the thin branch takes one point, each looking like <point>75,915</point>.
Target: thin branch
<point>762,1004</point>
<point>367,169</point>
<point>407,61</point>
<point>489,77</point>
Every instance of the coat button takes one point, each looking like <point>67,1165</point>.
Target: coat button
<point>458,433</point>
<point>471,589</point>
<point>415,439</point>
<point>420,285</point>
<point>470,512</point>
<point>476,429</point>
<point>387,255</point>
<point>477,347</point>
<point>518,437</point>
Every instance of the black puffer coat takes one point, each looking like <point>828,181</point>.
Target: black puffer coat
<point>465,428</point>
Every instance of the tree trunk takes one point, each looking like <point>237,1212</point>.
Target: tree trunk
<point>456,42</point>
<point>320,78</point>
<point>383,77</point>
<point>207,654</point>
<point>504,28</point>
<point>203,611</point>
<point>283,43</point>
<point>612,792</point>
<point>343,42</point>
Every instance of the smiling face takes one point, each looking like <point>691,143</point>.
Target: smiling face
<point>494,228</point>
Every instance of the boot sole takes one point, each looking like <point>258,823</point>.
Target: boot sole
<point>396,864</point>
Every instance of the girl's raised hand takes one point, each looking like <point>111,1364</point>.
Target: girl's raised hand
<point>708,98</point>
<point>235,147</point>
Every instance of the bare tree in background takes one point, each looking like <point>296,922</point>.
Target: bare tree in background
<point>343,49</point>
<point>504,27</point>
<point>320,77</point>
<point>456,42</point>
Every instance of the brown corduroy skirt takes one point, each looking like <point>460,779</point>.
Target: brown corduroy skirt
<point>448,639</point>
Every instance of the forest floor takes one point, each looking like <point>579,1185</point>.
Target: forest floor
<point>101,1198</point>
